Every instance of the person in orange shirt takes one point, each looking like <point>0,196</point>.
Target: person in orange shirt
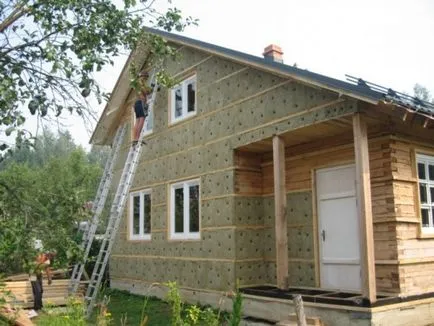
<point>42,263</point>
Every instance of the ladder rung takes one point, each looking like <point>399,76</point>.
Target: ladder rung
<point>100,199</point>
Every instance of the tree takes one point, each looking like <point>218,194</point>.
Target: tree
<point>45,147</point>
<point>99,155</point>
<point>50,50</point>
<point>422,93</point>
<point>42,196</point>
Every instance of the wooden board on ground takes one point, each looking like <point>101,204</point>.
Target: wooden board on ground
<point>19,317</point>
<point>55,294</point>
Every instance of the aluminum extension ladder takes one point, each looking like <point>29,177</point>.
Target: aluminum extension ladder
<point>116,211</point>
<point>97,207</point>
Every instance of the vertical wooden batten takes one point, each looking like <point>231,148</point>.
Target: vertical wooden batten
<point>280,212</point>
<point>364,207</point>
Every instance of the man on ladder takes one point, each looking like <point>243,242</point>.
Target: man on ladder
<point>141,107</point>
<point>121,195</point>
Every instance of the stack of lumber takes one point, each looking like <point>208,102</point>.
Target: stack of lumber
<point>57,274</point>
<point>55,294</point>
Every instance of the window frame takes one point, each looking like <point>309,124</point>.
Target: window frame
<point>141,235</point>
<point>186,234</point>
<point>426,160</point>
<point>184,89</point>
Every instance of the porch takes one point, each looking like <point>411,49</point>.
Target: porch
<point>281,167</point>
<point>277,305</point>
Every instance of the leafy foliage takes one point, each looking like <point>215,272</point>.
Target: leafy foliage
<point>47,146</point>
<point>50,51</point>
<point>237,303</point>
<point>174,299</point>
<point>42,196</point>
<point>190,315</point>
<point>422,93</point>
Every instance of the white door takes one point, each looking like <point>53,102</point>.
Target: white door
<point>338,228</point>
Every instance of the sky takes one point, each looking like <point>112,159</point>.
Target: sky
<point>387,42</point>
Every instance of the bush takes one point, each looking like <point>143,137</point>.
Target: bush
<point>191,315</point>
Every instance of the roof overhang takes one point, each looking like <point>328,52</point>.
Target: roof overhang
<point>103,132</point>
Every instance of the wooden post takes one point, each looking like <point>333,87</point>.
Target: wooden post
<point>299,310</point>
<point>280,212</point>
<point>364,207</point>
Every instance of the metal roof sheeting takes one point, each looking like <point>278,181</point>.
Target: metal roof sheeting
<point>392,96</point>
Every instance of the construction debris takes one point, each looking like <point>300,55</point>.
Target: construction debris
<point>17,316</point>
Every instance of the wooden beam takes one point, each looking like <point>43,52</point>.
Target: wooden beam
<point>280,212</point>
<point>408,115</point>
<point>364,207</point>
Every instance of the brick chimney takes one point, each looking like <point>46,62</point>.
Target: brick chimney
<point>273,53</point>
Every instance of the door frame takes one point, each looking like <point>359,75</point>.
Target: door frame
<point>315,212</point>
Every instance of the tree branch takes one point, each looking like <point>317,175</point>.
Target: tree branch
<point>18,12</point>
<point>35,43</point>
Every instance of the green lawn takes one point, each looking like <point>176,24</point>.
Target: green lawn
<point>125,304</point>
<point>125,309</point>
<point>122,306</point>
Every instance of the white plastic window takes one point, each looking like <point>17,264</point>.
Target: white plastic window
<point>149,121</point>
<point>183,100</point>
<point>140,215</point>
<point>185,210</point>
<point>425,173</point>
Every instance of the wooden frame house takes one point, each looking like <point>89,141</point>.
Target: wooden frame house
<point>281,178</point>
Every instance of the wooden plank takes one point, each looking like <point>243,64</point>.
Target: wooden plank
<point>363,185</point>
<point>315,231</point>
<point>15,316</point>
<point>408,115</point>
<point>55,294</point>
<point>280,212</point>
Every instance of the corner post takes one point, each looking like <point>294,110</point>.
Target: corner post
<point>280,212</point>
<point>364,207</point>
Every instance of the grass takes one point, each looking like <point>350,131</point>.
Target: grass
<point>127,307</point>
<point>123,304</point>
